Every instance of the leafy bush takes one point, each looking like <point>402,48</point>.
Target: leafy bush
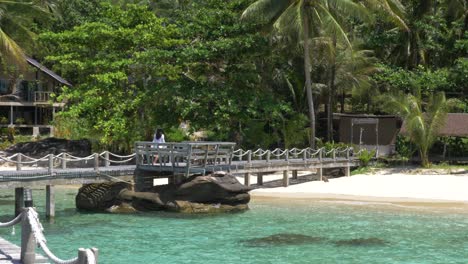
<point>404,148</point>
<point>365,156</point>
<point>20,120</point>
<point>3,120</point>
<point>175,134</point>
<point>331,145</point>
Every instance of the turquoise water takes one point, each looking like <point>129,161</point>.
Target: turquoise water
<point>407,234</point>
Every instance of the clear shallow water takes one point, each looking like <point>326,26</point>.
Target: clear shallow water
<point>410,235</point>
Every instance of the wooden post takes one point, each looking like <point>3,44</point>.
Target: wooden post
<point>28,242</point>
<point>64,160</point>
<point>82,259</point>
<point>320,172</point>
<point>247,179</point>
<point>249,156</point>
<point>96,162</point>
<point>19,200</point>
<point>241,152</point>
<point>106,157</point>
<point>268,155</point>
<point>50,201</point>
<point>18,162</point>
<point>259,178</point>
<point>294,174</point>
<point>285,179</point>
<point>51,163</point>
<point>137,154</point>
<point>348,170</point>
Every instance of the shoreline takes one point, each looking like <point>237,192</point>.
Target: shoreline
<point>383,186</point>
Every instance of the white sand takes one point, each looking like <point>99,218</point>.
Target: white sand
<point>398,187</point>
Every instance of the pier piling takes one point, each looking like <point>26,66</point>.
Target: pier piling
<point>50,201</point>
<point>19,200</point>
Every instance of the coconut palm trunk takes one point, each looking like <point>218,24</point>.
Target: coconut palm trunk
<point>308,80</point>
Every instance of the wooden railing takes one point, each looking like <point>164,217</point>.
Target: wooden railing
<point>187,155</point>
<point>42,96</point>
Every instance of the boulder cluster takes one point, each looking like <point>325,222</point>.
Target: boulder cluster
<point>218,192</point>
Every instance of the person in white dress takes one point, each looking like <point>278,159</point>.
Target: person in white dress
<point>158,137</point>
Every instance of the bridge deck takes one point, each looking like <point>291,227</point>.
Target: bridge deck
<point>27,178</point>
<point>255,166</point>
<point>10,253</point>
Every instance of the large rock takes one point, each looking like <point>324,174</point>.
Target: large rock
<point>41,148</point>
<point>101,196</point>
<point>198,194</point>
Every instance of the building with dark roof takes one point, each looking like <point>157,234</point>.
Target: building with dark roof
<point>26,99</point>
<point>372,132</point>
<point>456,125</point>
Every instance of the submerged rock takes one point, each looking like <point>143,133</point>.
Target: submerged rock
<point>214,193</point>
<point>372,241</point>
<point>283,239</point>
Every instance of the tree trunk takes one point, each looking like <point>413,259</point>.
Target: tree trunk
<point>331,92</point>
<point>308,83</point>
<point>424,158</point>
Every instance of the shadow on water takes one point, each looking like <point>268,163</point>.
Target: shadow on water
<point>7,202</point>
<point>282,239</point>
<point>6,196</point>
<point>185,216</point>
<point>361,242</point>
<point>285,239</point>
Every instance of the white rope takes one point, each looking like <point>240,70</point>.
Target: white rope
<point>13,222</point>
<point>90,257</point>
<point>118,161</point>
<point>54,258</point>
<point>37,230</point>
<point>316,152</point>
<point>119,156</point>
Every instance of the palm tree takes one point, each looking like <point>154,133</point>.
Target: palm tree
<point>422,120</point>
<point>16,17</point>
<point>299,20</point>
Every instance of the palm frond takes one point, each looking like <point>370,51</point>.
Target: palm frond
<point>11,51</point>
<point>264,11</point>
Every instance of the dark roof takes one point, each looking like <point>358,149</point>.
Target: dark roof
<point>339,115</point>
<point>456,125</point>
<point>44,69</point>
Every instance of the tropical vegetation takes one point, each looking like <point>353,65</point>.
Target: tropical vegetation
<point>262,73</point>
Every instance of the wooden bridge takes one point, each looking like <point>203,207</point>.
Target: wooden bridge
<point>167,160</point>
<point>152,160</point>
<point>188,158</point>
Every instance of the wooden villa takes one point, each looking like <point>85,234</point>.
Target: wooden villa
<point>25,99</point>
<point>373,132</point>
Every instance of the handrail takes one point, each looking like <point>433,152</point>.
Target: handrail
<point>32,234</point>
<point>20,159</point>
<point>175,153</point>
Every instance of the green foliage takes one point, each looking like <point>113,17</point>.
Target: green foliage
<point>295,131</point>
<point>20,120</point>
<point>333,145</point>
<point>404,148</point>
<point>4,120</point>
<point>123,64</point>
<point>175,134</point>
<point>365,156</point>
<point>422,119</point>
<point>155,63</point>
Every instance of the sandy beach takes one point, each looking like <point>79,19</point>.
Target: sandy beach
<point>383,186</point>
